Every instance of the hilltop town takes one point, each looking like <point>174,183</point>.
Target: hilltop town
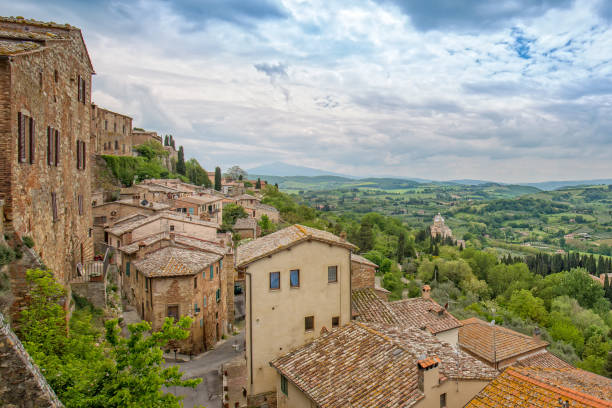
<point>286,305</point>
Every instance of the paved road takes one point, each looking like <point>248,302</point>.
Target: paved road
<point>208,367</point>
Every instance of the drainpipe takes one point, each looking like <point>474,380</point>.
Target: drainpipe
<point>250,324</point>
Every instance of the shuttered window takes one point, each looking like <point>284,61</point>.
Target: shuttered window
<point>21,129</point>
<point>80,204</point>
<point>84,90</point>
<point>32,140</point>
<point>84,153</point>
<point>127,269</point>
<point>50,158</point>
<point>80,90</point>
<point>78,154</point>
<point>54,206</point>
<point>57,147</point>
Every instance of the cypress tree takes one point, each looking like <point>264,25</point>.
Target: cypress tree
<point>401,246</point>
<point>180,164</point>
<point>258,184</point>
<point>166,140</point>
<point>608,365</point>
<point>218,178</point>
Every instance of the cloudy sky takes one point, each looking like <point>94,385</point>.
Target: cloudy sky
<point>504,90</point>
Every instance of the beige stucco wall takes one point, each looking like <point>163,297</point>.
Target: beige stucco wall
<point>449,336</point>
<point>295,398</point>
<point>458,393</point>
<point>278,315</point>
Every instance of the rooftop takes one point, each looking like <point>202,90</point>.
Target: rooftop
<point>179,241</point>
<point>360,259</point>
<point>128,201</point>
<point>543,388</point>
<point>543,359</point>
<point>373,365</point>
<point>421,312</point>
<point>476,336</point>
<point>172,261</point>
<point>283,239</point>
<point>247,197</point>
<point>206,199</point>
<point>415,312</point>
<point>119,230</point>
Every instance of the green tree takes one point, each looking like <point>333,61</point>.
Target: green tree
<point>196,174</point>
<point>258,184</point>
<point>218,178</point>
<point>608,365</point>
<point>527,306</point>
<point>231,212</point>
<point>180,164</point>
<point>151,149</point>
<point>266,225</point>
<point>401,246</point>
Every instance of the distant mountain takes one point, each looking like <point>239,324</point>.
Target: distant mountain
<point>470,182</point>
<point>287,170</point>
<point>553,185</point>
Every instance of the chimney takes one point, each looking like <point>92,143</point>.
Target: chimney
<point>537,333</point>
<point>426,292</point>
<point>135,199</point>
<point>429,373</point>
<point>343,235</point>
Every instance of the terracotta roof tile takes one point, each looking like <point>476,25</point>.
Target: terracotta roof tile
<point>476,336</point>
<point>371,365</point>
<point>543,359</point>
<point>421,312</point>
<point>172,261</point>
<point>282,239</point>
<point>369,307</point>
<point>543,388</point>
<point>360,259</point>
<point>169,215</point>
<point>245,223</point>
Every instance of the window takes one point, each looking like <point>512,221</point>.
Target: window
<point>196,309</point>
<point>105,124</point>
<point>78,154</point>
<point>335,321</point>
<point>115,128</point>
<point>54,206</point>
<point>123,129</point>
<point>172,228</point>
<point>294,278</point>
<point>195,282</point>
<point>212,272</point>
<point>82,94</point>
<point>57,147</point>
<point>204,303</point>
<point>21,131</point>
<point>218,295</point>
<point>116,145</point>
<point>191,210</point>
<point>32,140</point>
<point>332,274</point>
<point>147,285</point>
<point>221,264</point>
<point>173,312</point>
<point>81,155</point>
<point>309,323</point>
<point>127,269</point>
<point>201,322</point>
<point>50,133</point>
<point>274,280</point>
<point>443,400</point>
<point>284,384</point>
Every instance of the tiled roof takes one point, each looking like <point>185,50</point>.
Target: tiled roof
<point>32,22</point>
<point>172,261</point>
<point>199,199</point>
<point>265,207</point>
<point>122,229</point>
<point>245,223</point>
<point>543,388</point>
<point>369,307</point>
<point>360,259</point>
<point>282,239</point>
<point>12,47</point>
<point>415,312</point>
<point>179,240</point>
<point>247,197</point>
<point>371,365</point>
<point>543,359</point>
<point>476,336</point>
<point>130,202</point>
<point>129,218</point>
<point>421,312</point>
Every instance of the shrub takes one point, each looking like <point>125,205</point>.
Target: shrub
<point>28,241</point>
<point>7,255</point>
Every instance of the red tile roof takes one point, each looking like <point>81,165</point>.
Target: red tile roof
<point>372,365</point>
<point>544,388</point>
<point>543,359</point>
<point>476,336</point>
<point>369,307</point>
<point>421,312</point>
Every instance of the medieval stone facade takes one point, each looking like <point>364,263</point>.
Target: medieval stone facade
<point>45,96</point>
<point>111,132</point>
<point>142,136</point>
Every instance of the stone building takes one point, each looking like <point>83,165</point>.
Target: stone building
<point>439,228</point>
<point>45,179</point>
<point>109,214</point>
<point>111,132</point>
<point>172,275</point>
<point>206,207</point>
<point>140,136</point>
<point>297,287</point>
<point>377,365</point>
<point>155,193</point>
<point>247,228</point>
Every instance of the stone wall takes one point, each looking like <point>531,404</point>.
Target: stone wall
<point>112,132</point>
<point>21,383</point>
<point>362,275</point>
<point>43,85</point>
<point>95,292</point>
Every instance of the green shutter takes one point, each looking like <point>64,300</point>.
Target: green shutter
<point>212,272</point>
<point>218,295</point>
<point>127,268</point>
<point>204,304</point>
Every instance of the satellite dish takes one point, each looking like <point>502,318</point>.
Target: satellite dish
<point>144,202</point>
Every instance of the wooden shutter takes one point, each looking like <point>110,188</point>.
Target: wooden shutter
<point>78,154</point>
<point>21,137</point>
<point>84,152</point>
<point>80,204</point>
<point>84,91</point>
<point>49,145</point>
<point>57,147</point>
<point>54,206</point>
<point>32,140</point>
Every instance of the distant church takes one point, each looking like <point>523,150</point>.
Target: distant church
<point>439,228</point>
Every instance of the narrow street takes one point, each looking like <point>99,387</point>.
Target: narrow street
<point>208,366</point>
